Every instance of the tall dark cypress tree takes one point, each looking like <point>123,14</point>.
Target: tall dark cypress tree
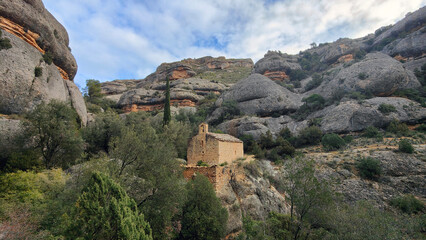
<point>167,115</point>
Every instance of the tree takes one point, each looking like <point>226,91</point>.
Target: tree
<point>151,174</point>
<point>369,168</point>
<point>104,211</point>
<point>53,129</point>
<point>93,90</point>
<point>308,196</point>
<point>203,215</point>
<point>167,115</point>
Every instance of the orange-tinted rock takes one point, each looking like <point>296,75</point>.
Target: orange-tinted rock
<point>276,75</point>
<point>153,107</point>
<point>64,75</point>
<point>19,31</point>
<point>180,72</point>
<point>345,58</point>
<point>400,58</point>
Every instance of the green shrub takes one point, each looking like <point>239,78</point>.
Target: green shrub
<point>408,204</point>
<point>313,103</point>
<point>421,128</point>
<point>202,164</point>
<point>362,76</point>
<point>348,138</point>
<point>297,74</point>
<point>48,57</point>
<point>397,127</point>
<point>309,136</point>
<point>258,152</point>
<point>38,71</point>
<point>417,95</point>
<point>267,140</point>
<point>273,155</point>
<point>314,83</point>
<point>405,146</point>
<point>371,132</point>
<point>284,147</point>
<point>332,142</point>
<point>248,141</point>
<point>359,54</point>
<point>386,108</point>
<point>369,168</point>
<point>5,43</point>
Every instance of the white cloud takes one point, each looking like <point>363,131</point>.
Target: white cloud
<point>129,39</point>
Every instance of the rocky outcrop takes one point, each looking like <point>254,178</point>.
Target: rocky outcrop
<point>190,81</point>
<point>20,89</point>
<point>36,20</point>
<point>259,95</point>
<point>356,116</point>
<point>378,74</point>
<point>331,53</point>
<point>411,23</point>
<point>276,65</point>
<point>245,191</point>
<point>413,45</point>
<point>8,129</point>
<point>188,68</point>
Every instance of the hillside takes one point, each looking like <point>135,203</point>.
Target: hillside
<point>334,140</point>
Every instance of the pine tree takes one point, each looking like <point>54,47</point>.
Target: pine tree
<point>104,211</point>
<point>203,215</point>
<point>167,115</point>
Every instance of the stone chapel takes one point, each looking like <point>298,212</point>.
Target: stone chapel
<point>213,148</point>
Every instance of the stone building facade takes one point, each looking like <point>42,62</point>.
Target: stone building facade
<point>213,148</point>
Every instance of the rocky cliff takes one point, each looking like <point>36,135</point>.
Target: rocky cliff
<point>191,81</point>
<point>25,78</point>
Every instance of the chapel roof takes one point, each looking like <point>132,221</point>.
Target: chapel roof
<point>224,137</point>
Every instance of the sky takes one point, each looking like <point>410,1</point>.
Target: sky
<point>129,39</point>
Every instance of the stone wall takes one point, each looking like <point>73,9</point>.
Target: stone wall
<point>230,151</point>
<point>202,148</point>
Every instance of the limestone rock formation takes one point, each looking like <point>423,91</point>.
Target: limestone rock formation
<point>32,16</point>
<point>411,23</point>
<point>22,91</point>
<point>259,95</point>
<point>377,73</point>
<point>191,81</point>
<point>276,66</point>
<point>356,116</point>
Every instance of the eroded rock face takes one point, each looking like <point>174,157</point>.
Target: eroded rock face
<point>259,95</point>
<point>411,23</point>
<point>248,193</point>
<point>276,66</point>
<point>32,16</point>
<point>354,116</point>
<point>22,91</point>
<point>413,45</point>
<point>378,74</point>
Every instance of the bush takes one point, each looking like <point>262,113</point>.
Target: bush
<point>408,204</point>
<point>417,95</point>
<point>371,132</point>
<point>202,164</point>
<point>267,140</point>
<point>258,152</point>
<point>248,141</point>
<point>314,83</point>
<point>369,168</point>
<point>309,136</point>
<point>332,142</point>
<point>348,139</point>
<point>398,128</point>
<point>284,147</point>
<point>386,108</point>
<point>405,146</point>
<point>5,43</point>
<point>313,103</point>
<point>362,76</point>
<point>38,71</point>
<point>421,128</point>
<point>48,57</point>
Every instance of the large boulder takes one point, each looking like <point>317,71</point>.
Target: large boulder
<point>276,66</point>
<point>256,126</point>
<point>377,73</point>
<point>258,95</point>
<point>22,91</point>
<point>356,116</point>
<point>32,16</point>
